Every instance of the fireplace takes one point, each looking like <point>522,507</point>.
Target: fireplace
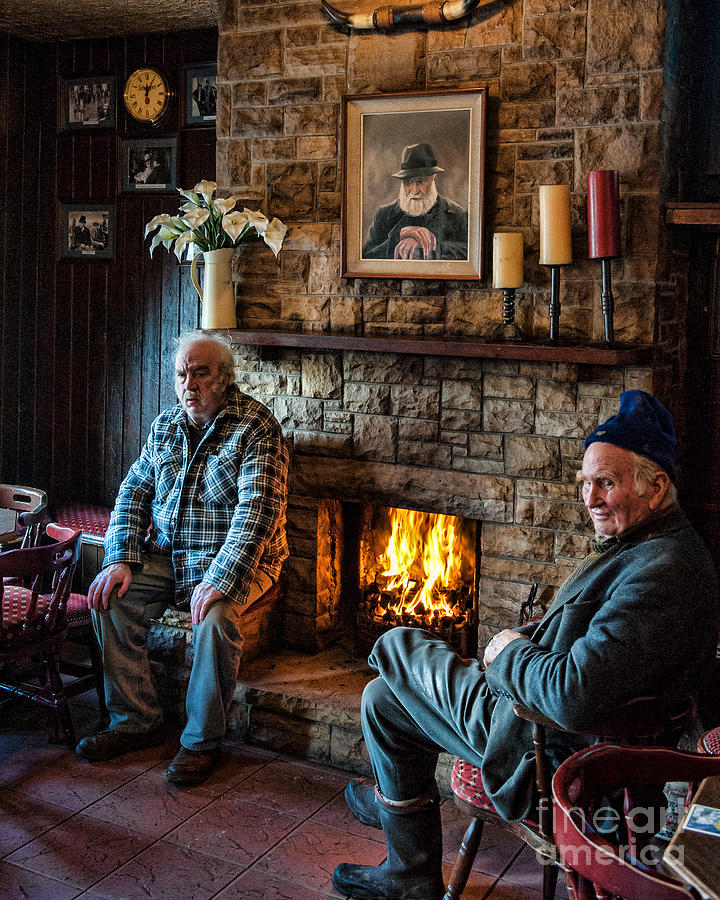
<point>417,569</point>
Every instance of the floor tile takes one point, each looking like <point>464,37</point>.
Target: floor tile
<point>149,805</point>
<point>18,883</point>
<point>293,788</point>
<point>22,819</point>
<point>254,885</point>
<point>336,815</point>
<point>496,850</point>
<point>309,855</point>
<point>80,851</point>
<point>166,872</point>
<point>235,765</point>
<point>232,829</point>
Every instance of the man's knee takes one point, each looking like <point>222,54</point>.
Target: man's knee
<point>221,622</point>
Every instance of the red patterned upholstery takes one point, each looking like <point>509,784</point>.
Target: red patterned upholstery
<point>710,742</point>
<point>92,520</point>
<point>466,783</point>
<point>15,602</point>
<point>77,609</point>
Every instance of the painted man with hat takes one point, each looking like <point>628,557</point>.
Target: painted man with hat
<point>420,224</point>
<point>638,617</point>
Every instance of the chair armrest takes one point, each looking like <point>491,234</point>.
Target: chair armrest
<point>537,718</point>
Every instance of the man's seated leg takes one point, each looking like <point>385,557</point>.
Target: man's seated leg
<point>217,646</point>
<point>136,716</point>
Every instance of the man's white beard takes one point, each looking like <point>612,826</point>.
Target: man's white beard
<point>417,206</point>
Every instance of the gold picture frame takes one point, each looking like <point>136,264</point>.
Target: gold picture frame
<point>392,142</point>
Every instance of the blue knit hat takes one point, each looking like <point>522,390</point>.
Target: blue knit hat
<point>642,425</point>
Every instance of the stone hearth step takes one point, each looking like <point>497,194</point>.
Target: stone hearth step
<point>309,706</point>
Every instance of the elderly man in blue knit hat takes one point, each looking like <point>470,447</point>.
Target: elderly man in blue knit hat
<point>638,617</point>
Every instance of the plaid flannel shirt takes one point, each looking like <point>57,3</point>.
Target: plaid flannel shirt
<point>219,513</point>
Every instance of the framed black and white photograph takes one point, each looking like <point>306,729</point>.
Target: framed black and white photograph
<point>149,164</point>
<point>87,230</point>
<point>201,95</point>
<point>87,103</point>
<point>412,203</point>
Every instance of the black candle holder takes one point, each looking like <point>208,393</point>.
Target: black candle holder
<point>608,301</point>
<point>554,307</point>
<point>508,330</point>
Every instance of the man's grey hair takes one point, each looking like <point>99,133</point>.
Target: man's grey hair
<point>644,470</point>
<point>226,366</point>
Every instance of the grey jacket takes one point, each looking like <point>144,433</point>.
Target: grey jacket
<point>640,618</point>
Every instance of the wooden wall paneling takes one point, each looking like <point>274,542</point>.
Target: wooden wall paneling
<point>130,430</point>
<point>189,301</point>
<point>169,327</point>
<point>63,383</point>
<point>97,376</point>
<point>85,275</point>
<point>151,337</point>
<point>115,340</point>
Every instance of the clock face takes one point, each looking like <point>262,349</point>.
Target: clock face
<point>147,96</point>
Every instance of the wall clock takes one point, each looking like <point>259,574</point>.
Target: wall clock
<point>147,95</point>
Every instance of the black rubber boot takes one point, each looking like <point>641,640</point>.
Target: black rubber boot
<point>413,868</point>
<point>362,802</point>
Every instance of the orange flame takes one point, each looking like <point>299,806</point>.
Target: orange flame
<point>421,551</point>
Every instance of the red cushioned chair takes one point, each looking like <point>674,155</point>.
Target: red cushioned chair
<point>620,859</point>
<point>34,622</point>
<point>710,742</point>
<point>22,512</point>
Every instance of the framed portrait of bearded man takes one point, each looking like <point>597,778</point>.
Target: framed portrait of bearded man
<point>413,189</point>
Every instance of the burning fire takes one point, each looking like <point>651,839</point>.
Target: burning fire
<point>421,563</point>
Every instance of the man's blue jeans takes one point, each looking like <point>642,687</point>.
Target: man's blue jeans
<point>122,631</point>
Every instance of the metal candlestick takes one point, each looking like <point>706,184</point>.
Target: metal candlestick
<point>608,302</point>
<point>554,308</point>
<point>508,330</point>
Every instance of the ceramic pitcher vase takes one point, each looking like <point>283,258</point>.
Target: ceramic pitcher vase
<point>217,297</point>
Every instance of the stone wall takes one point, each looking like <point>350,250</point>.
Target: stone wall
<point>571,86</point>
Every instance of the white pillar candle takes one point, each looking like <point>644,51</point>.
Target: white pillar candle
<point>555,241</point>
<point>507,259</point>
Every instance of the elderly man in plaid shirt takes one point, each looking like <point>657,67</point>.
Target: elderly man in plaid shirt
<point>199,523</point>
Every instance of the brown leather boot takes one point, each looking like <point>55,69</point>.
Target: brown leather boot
<point>192,766</point>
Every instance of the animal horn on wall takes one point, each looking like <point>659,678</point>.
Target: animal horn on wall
<point>388,18</point>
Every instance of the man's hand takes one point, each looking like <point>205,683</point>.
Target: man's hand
<point>202,599</point>
<point>105,582</point>
<point>412,238</point>
<point>498,643</point>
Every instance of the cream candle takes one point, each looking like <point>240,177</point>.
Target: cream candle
<point>555,241</point>
<point>507,259</point>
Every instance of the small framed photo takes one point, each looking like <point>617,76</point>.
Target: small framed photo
<point>87,230</point>
<point>87,103</point>
<point>412,204</point>
<point>149,164</point>
<point>201,95</point>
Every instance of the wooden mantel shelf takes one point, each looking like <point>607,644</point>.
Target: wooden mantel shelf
<point>593,354</point>
<point>692,213</point>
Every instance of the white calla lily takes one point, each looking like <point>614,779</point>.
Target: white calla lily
<point>206,188</point>
<point>197,217</point>
<point>154,223</point>
<point>275,235</point>
<point>212,224</point>
<point>235,224</point>
<point>224,204</point>
<point>257,219</point>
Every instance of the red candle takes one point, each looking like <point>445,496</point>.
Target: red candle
<point>603,211</point>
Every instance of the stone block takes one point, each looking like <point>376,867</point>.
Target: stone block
<point>313,119</point>
<point>546,489</point>
<point>508,416</point>
<point>524,570</point>
<point>381,62</point>
<point>470,464</point>
<point>232,162</point>
<point>291,190</point>
<point>509,387</point>
<point>532,457</point>
<point>554,36</point>
<point>424,453</point>
<point>462,68</point>
<point>317,148</point>
<point>420,430</point>
<point>561,516</point>
<point>416,310</point>
<point>298,412</point>
<point>556,397</point>
<point>651,95</point>
<point>324,275</point>
<point>305,309</point>
<point>250,56</point>
<point>367,398</point>
<point>321,375</point>
<point>418,402</point>
<point>328,442</point>
<point>314,236</point>
<point>286,91</point>
<point>633,150</point>
<point>306,36</point>
<point>624,35</point>
<point>563,424</point>
<point>569,74</point>
<point>345,313</point>
<point>348,751</point>
<point>461,395</point>
<point>511,540</point>
<point>530,174</point>
<point>486,446</point>
<point>526,115</point>
<point>253,122</point>
<point>330,59</point>
<point>574,546</point>
<point>460,420</point>
<point>298,737</point>
<point>542,7</point>
<point>375,437</point>
<point>527,81</point>
<point>388,368</point>
<point>599,106</point>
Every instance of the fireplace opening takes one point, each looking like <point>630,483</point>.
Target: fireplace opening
<point>418,569</point>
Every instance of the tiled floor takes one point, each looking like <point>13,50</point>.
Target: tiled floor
<point>263,826</point>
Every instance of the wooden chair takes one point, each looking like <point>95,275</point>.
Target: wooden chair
<point>642,720</point>
<point>34,622</point>
<point>22,512</point>
<point>612,856</point>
